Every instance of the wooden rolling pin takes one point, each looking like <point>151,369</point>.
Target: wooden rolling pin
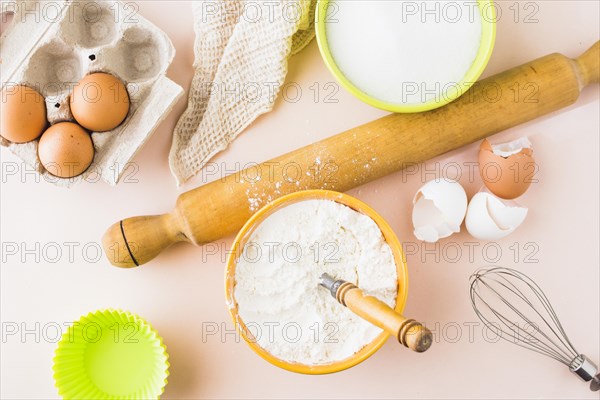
<point>359,155</point>
<point>409,332</point>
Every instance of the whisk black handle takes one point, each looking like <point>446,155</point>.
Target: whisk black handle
<point>595,383</point>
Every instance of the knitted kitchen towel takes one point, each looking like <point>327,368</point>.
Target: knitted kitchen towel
<point>241,59</point>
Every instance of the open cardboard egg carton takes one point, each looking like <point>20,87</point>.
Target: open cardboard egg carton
<point>51,45</point>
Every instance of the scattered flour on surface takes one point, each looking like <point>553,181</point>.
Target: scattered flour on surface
<point>277,278</point>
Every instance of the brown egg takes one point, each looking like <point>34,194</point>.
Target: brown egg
<point>507,176</point>
<point>66,150</point>
<point>22,114</point>
<point>99,102</point>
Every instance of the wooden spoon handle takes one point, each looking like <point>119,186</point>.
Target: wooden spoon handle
<point>409,332</point>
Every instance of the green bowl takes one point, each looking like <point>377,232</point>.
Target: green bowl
<point>488,37</point>
<point>110,354</point>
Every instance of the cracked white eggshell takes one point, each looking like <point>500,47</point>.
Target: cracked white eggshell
<point>439,208</point>
<point>489,218</point>
<point>510,148</point>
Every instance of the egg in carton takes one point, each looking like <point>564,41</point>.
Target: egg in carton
<point>50,46</point>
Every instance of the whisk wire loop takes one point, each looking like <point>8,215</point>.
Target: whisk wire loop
<point>510,302</point>
<point>554,344</point>
<point>548,308</point>
<point>516,333</point>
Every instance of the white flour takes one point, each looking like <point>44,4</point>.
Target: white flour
<point>404,52</point>
<point>277,278</point>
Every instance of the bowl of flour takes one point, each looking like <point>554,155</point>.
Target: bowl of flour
<point>406,56</point>
<point>272,280</point>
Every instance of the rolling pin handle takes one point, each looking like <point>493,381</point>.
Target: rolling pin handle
<point>588,65</point>
<point>135,241</point>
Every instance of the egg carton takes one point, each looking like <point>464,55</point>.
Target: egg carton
<point>51,45</point>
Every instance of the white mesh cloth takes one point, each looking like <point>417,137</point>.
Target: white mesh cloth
<point>241,56</point>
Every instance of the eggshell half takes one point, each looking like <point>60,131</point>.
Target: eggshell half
<point>507,169</point>
<point>488,218</point>
<point>439,208</point>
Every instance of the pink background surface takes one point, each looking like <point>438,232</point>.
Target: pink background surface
<point>182,290</point>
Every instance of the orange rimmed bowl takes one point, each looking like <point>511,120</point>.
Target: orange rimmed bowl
<point>246,232</point>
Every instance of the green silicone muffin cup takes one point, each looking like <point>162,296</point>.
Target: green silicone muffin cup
<point>110,354</point>
<point>487,10</point>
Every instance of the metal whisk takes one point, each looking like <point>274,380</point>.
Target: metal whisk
<point>512,305</point>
